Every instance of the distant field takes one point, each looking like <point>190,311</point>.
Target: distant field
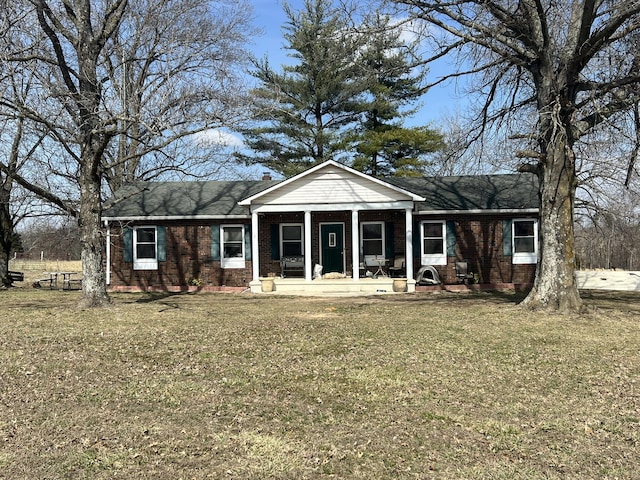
<point>238,386</point>
<point>33,269</point>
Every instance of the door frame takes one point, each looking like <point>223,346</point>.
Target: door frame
<point>343,225</point>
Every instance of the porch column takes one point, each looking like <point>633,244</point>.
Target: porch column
<point>408,258</point>
<point>255,248</point>
<point>355,245</point>
<point>308,264</point>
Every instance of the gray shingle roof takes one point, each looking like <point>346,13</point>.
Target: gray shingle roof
<point>220,199</point>
<point>182,199</point>
<point>474,192</point>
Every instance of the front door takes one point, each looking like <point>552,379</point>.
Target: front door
<point>332,249</point>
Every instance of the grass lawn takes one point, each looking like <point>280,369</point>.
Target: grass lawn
<point>236,386</point>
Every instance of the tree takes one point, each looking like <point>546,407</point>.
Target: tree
<point>300,112</point>
<point>392,80</point>
<point>109,70</point>
<point>571,64</point>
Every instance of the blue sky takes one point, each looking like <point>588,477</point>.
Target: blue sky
<point>269,17</point>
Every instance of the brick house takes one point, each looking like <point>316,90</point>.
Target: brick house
<point>231,234</point>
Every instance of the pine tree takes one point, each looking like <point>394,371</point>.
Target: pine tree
<point>384,147</point>
<point>300,113</point>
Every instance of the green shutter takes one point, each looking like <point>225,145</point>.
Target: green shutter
<point>507,248</point>
<point>161,241</point>
<point>275,241</point>
<point>451,238</point>
<point>215,242</point>
<point>389,246</point>
<point>247,242</point>
<point>127,238</point>
<point>417,239</point>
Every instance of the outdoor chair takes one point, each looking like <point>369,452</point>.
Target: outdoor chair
<point>462,272</point>
<point>398,269</point>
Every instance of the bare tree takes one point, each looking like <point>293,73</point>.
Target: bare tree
<point>567,62</point>
<point>116,89</point>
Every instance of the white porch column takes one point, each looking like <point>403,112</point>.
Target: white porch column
<point>308,265</point>
<point>355,245</point>
<point>409,243</point>
<point>255,247</point>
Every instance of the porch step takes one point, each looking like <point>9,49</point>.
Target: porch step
<point>343,286</point>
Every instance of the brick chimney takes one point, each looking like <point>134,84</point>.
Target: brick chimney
<point>266,176</point>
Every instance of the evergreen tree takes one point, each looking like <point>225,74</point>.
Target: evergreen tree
<point>384,147</point>
<point>300,114</point>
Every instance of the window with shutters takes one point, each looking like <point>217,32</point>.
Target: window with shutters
<point>232,246</point>
<point>373,240</point>
<point>524,235</point>
<point>433,248</point>
<point>291,239</point>
<point>145,248</point>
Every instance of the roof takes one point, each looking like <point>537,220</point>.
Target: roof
<point>474,193</point>
<point>220,199</point>
<point>167,200</point>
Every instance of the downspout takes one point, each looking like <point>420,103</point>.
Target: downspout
<point>108,246</point>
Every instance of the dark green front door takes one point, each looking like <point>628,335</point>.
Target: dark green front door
<point>332,238</point>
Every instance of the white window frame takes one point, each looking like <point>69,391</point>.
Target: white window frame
<point>433,258</point>
<point>283,241</point>
<point>232,262</point>
<point>519,258</point>
<point>371,260</point>
<point>145,263</point>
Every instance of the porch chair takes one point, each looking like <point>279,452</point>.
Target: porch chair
<point>398,269</point>
<point>462,272</point>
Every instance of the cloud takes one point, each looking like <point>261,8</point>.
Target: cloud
<point>218,137</point>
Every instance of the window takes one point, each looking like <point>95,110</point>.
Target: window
<point>434,247</point>
<point>232,240</point>
<point>525,241</point>
<point>145,248</point>
<point>291,240</point>
<point>372,235</point>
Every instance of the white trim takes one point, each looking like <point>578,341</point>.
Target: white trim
<point>479,211</point>
<point>108,272</point>
<point>524,258</point>
<point>331,207</point>
<point>144,263</point>
<point>281,237</point>
<point>330,163</point>
<point>232,262</point>
<point>433,258</point>
<point>408,245</point>
<point>372,260</point>
<point>152,218</point>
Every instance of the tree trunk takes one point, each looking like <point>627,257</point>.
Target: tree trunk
<point>555,285</point>
<point>94,289</point>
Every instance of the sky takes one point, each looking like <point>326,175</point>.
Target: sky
<point>269,17</point>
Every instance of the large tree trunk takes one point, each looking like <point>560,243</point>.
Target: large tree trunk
<point>555,285</point>
<point>94,289</point>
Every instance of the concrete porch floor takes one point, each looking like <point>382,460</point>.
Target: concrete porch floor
<point>339,286</point>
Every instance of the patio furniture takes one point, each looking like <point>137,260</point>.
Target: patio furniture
<point>398,269</point>
<point>462,272</point>
<point>292,264</point>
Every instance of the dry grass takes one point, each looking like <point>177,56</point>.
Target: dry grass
<point>252,387</point>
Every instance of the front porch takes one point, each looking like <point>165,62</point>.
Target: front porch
<point>333,286</point>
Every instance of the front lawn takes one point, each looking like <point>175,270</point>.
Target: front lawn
<point>236,386</point>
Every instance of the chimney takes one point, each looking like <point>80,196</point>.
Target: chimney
<point>266,176</point>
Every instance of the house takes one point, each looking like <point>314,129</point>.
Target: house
<point>232,234</point>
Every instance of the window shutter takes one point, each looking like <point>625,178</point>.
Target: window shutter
<point>215,242</point>
<point>507,248</point>
<point>451,238</point>
<point>247,242</point>
<point>389,246</point>
<point>275,241</point>
<point>161,241</point>
<point>417,239</point>
<point>127,238</point>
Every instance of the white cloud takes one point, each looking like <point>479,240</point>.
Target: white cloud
<point>218,137</point>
